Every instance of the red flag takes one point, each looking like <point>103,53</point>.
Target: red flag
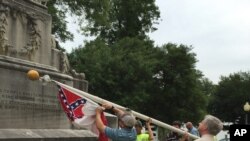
<point>80,110</point>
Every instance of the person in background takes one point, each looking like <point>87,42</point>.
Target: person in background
<point>126,121</point>
<point>174,136</point>
<point>143,136</point>
<point>209,127</point>
<point>192,129</point>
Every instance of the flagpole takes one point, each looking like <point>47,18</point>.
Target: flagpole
<point>136,114</point>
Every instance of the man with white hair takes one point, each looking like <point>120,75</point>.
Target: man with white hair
<point>192,129</point>
<point>126,132</point>
<point>209,127</point>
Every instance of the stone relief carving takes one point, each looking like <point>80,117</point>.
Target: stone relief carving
<point>64,63</point>
<point>26,17</point>
<point>42,2</point>
<point>3,29</point>
<point>35,35</point>
<point>77,75</point>
<point>34,42</point>
<point>53,42</point>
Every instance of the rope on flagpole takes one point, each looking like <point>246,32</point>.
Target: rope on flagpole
<point>136,114</point>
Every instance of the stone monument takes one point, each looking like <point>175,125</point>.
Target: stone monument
<point>26,43</point>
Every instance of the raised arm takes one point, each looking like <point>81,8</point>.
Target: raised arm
<point>99,124</point>
<point>150,132</point>
<point>109,106</point>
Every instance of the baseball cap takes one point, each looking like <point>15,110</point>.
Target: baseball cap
<point>128,120</point>
<point>138,123</point>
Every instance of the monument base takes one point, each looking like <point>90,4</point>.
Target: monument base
<point>46,135</point>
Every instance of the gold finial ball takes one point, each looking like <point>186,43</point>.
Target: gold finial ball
<point>33,75</point>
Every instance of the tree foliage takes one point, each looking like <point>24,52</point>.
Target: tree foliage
<point>59,24</point>
<point>109,20</point>
<point>231,94</point>
<point>207,87</point>
<point>121,73</point>
<point>133,73</point>
<point>127,18</point>
<point>178,86</point>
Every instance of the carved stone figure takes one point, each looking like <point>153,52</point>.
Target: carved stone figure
<point>80,76</point>
<point>3,25</point>
<point>34,40</point>
<point>42,2</point>
<point>65,67</point>
<point>35,37</point>
<point>53,42</point>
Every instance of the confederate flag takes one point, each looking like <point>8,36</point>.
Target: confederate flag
<point>80,110</point>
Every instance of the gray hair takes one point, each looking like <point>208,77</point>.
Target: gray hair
<point>214,125</point>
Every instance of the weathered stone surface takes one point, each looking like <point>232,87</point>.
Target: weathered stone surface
<point>26,31</point>
<point>112,120</point>
<point>46,135</point>
<point>28,104</point>
<point>26,43</point>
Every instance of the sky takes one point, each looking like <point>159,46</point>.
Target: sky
<point>218,31</point>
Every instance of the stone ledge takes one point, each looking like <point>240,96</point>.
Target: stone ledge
<point>21,62</point>
<point>46,135</point>
<point>24,65</point>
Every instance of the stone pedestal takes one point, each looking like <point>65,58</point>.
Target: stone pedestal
<point>26,43</point>
<point>30,110</point>
<point>46,135</point>
<point>26,103</point>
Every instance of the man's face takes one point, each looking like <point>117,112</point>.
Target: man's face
<point>188,126</point>
<point>138,129</point>
<point>202,127</point>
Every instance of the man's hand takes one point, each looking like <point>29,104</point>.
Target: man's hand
<point>149,121</point>
<point>107,105</point>
<point>99,109</point>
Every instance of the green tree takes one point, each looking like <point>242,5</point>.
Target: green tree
<point>94,11</point>
<point>207,86</point>
<point>59,24</point>
<point>208,89</point>
<point>121,73</point>
<point>110,20</point>
<point>179,90</point>
<point>134,73</point>
<point>231,94</point>
<point>127,18</point>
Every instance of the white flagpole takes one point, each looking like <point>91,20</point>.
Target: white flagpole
<point>136,114</point>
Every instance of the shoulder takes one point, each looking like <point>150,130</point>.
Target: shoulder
<point>111,132</point>
<point>143,136</point>
<point>195,129</point>
<point>114,133</point>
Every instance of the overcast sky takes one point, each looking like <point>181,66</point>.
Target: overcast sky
<point>218,30</point>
